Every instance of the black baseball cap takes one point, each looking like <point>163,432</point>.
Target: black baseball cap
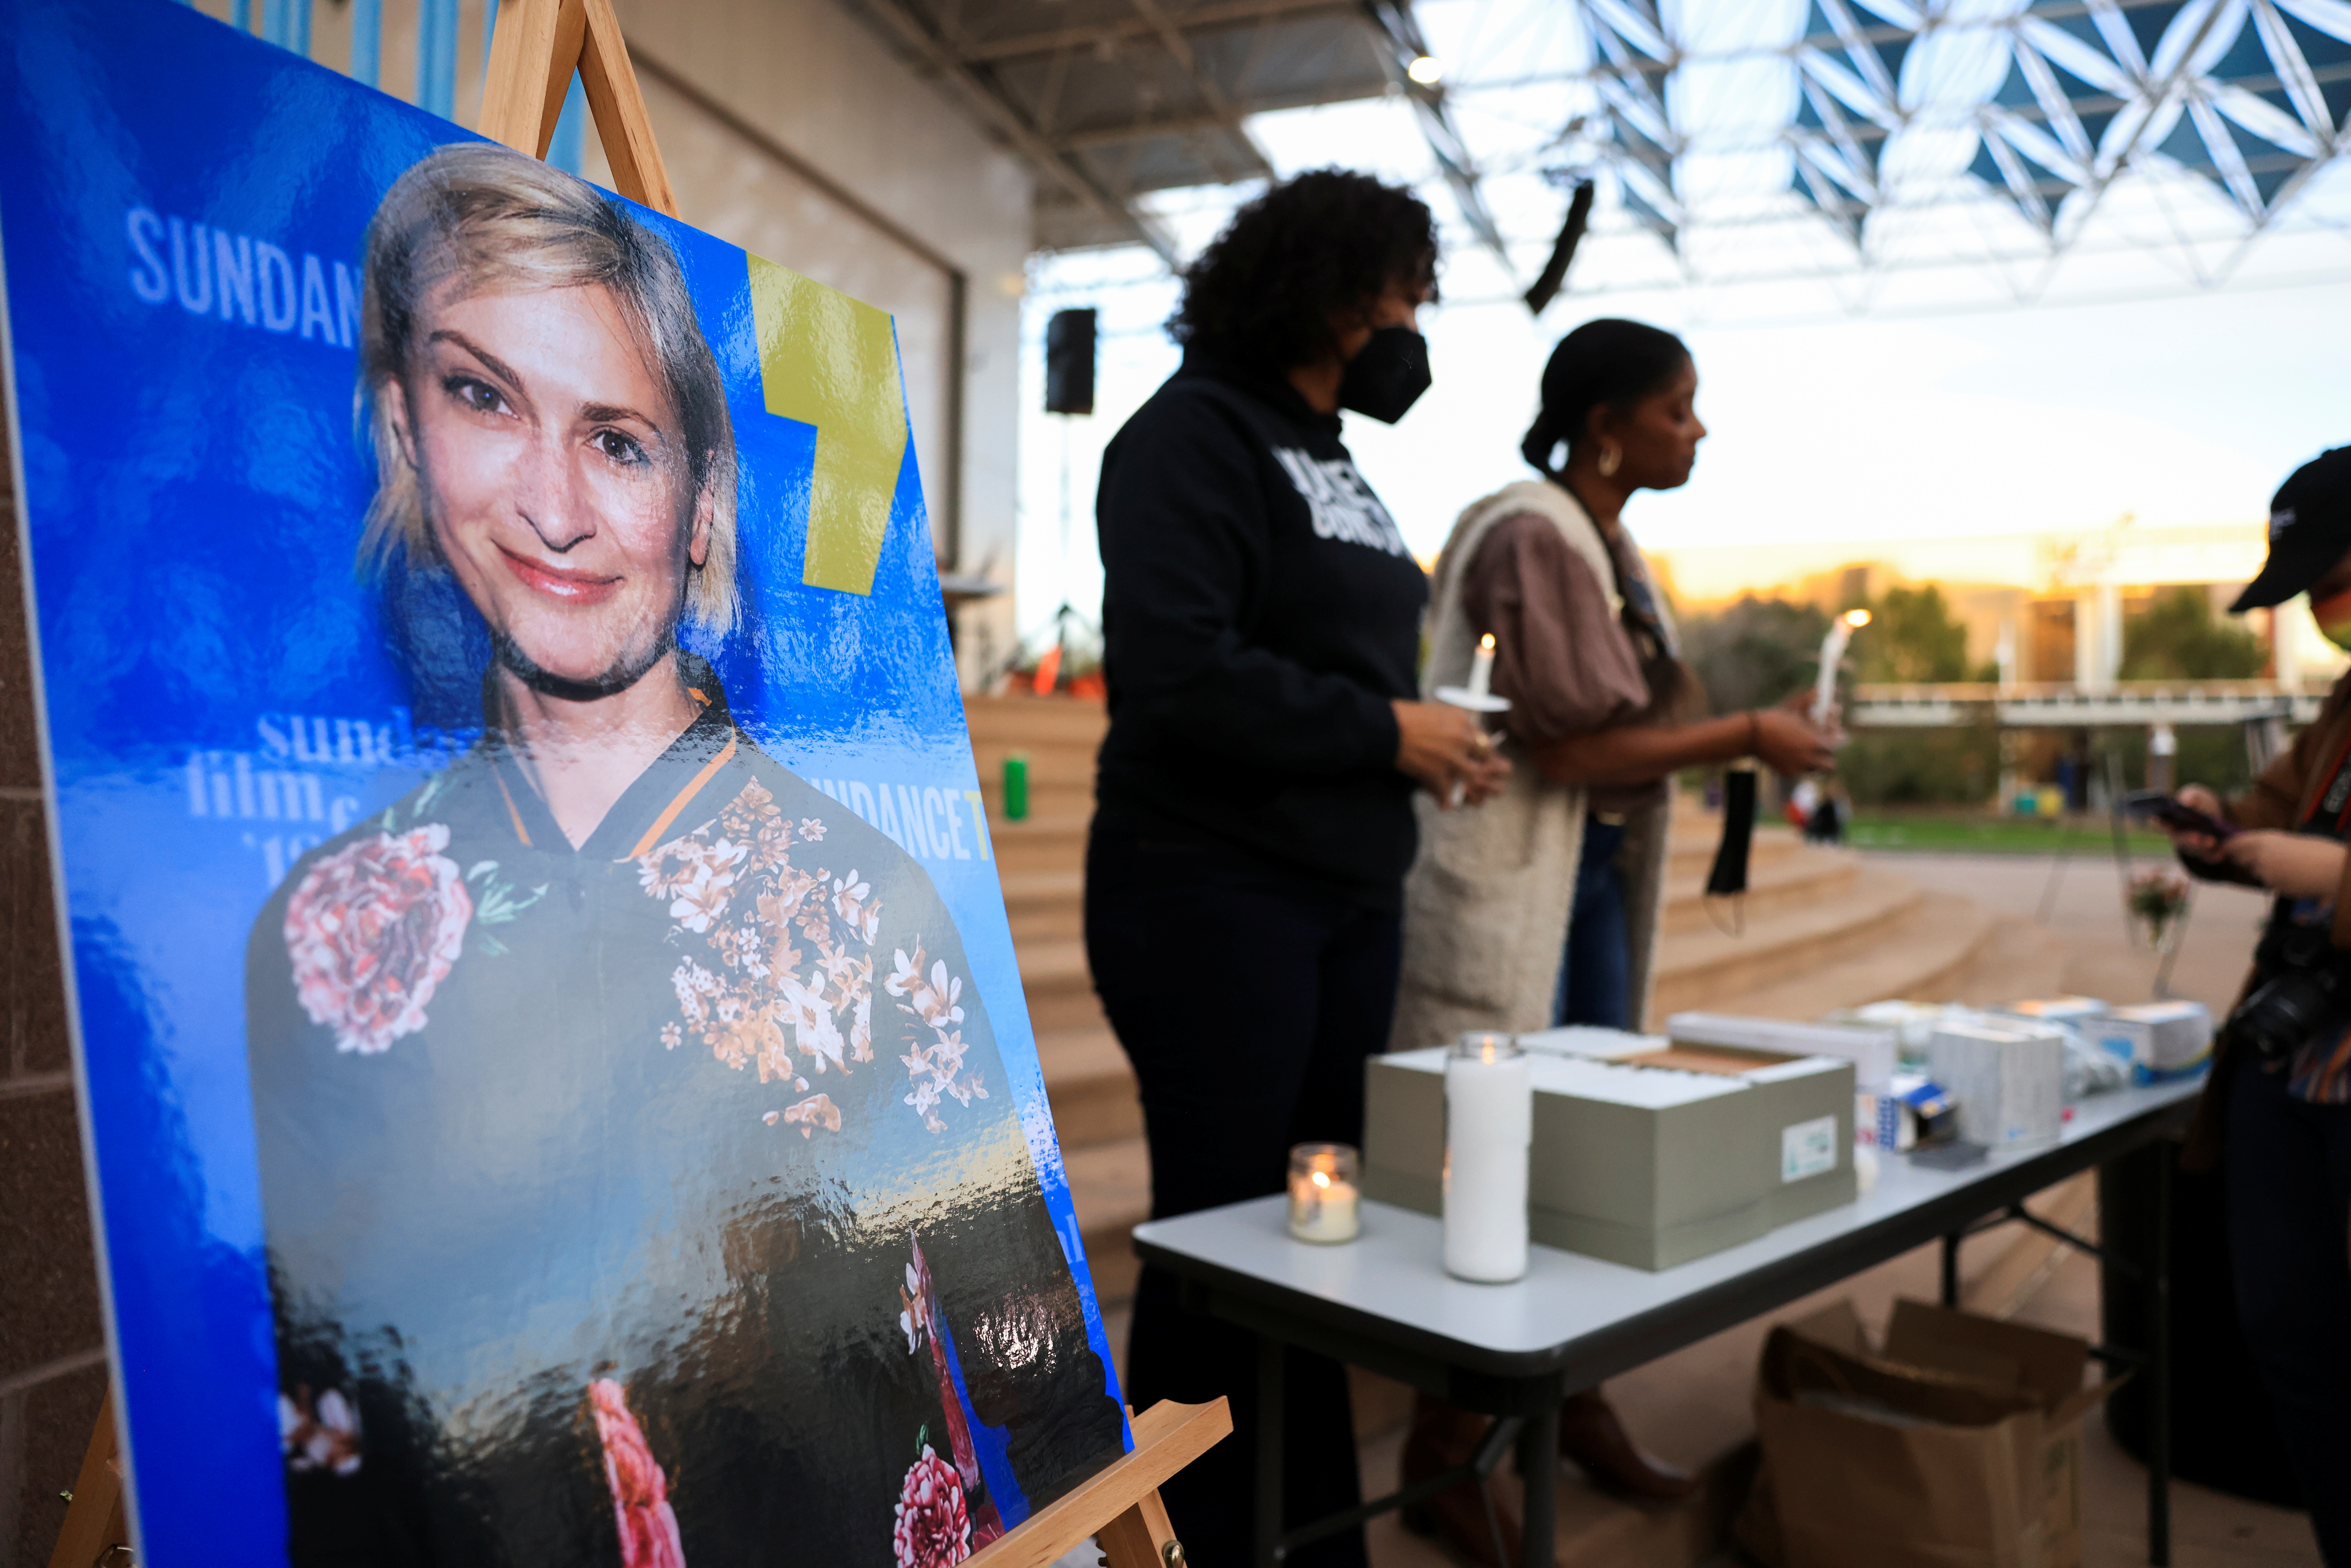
<point>2310,530</point>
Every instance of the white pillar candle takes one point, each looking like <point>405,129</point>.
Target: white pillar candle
<point>1481,667</point>
<point>1841,631</point>
<point>1323,1197</point>
<point>1488,1132</point>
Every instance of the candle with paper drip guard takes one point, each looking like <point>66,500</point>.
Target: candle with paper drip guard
<point>1841,631</point>
<point>1324,1193</point>
<point>1481,667</point>
<point>1477,696</point>
<point>1488,1133</point>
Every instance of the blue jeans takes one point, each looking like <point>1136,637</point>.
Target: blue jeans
<point>1595,972</point>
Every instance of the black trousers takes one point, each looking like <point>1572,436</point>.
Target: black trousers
<point>1247,999</point>
<point>2289,1177</point>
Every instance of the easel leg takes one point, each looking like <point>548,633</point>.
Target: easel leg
<point>1269,1452</point>
<point>1538,1469</point>
<point>1139,1537</point>
<point>95,1522</point>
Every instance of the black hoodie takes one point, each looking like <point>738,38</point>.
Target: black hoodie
<point>1259,612</point>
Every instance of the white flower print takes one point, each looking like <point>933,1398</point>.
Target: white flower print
<point>784,980</point>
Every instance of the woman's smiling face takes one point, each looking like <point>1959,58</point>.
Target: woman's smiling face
<point>556,480</point>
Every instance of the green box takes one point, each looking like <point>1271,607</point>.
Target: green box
<point>1642,1164</point>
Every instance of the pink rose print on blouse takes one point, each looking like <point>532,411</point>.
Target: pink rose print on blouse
<point>373,929</point>
<point>648,1537</point>
<point>932,1530</point>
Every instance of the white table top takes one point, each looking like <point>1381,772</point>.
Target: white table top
<point>1387,1285</point>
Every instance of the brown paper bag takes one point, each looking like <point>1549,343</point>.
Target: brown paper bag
<point>1961,1452</point>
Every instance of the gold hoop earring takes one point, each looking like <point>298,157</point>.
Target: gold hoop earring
<point>1609,459</point>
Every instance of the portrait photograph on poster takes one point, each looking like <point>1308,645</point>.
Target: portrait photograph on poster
<point>554,1064</point>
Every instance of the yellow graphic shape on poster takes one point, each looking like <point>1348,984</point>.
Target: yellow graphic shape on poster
<point>827,359</point>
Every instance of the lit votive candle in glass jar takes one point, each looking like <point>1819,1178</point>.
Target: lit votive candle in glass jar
<point>1323,1194</point>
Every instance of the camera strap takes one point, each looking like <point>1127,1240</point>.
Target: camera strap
<point>2334,801</point>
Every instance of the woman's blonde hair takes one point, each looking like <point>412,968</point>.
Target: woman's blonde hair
<point>491,219</point>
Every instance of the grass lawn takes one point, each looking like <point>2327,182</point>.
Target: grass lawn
<point>1993,835</point>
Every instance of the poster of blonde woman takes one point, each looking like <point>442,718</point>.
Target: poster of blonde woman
<point>555,1066</point>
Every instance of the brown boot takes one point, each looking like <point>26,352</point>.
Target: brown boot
<point>1591,1435</point>
<point>1442,1438</point>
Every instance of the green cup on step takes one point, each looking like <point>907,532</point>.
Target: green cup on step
<point>1016,786</point>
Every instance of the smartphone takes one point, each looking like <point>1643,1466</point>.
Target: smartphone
<point>2180,818</point>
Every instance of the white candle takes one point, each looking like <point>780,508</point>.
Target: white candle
<point>1481,667</point>
<point>1323,1198</point>
<point>1841,631</point>
<point>1488,1133</point>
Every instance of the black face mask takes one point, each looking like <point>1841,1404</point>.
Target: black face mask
<point>1388,376</point>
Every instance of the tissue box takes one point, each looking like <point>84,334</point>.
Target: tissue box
<point>1871,1051</point>
<point>1643,1154</point>
<point>2076,1011</point>
<point>2160,1040</point>
<point>2009,1079</point>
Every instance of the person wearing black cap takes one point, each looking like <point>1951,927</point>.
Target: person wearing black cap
<point>2278,1103</point>
<point>1261,619</point>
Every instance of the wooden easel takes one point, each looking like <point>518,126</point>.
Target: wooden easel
<point>1119,1508</point>
<point>537,46</point>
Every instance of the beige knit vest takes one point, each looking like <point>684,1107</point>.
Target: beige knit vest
<point>1487,901</point>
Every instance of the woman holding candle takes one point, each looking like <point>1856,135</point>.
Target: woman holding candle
<point>1542,908</point>
<point>1244,878</point>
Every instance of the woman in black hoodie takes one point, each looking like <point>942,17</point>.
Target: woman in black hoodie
<point>1261,619</point>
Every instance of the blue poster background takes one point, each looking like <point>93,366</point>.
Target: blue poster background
<point>216,688</point>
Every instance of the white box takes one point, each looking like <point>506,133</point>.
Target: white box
<point>1643,1154</point>
<point>1871,1051</point>
<point>2009,1080</point>
<point>2076,1010</point>
<point>2160,1039</point>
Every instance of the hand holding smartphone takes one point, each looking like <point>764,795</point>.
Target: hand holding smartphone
<point>2175,815</point>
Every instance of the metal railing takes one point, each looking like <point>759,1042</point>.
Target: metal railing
<point>2030,705</point>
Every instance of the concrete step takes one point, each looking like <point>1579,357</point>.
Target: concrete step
<point>1774,887</point>
<point>1050,762</point>
<point>1694,844</point>
<point>1041,843</point>
<point>1928,953</point>
<point>1091,1085</point>
<point>1703,968</point>
<point>1046,798</point>
<point>1045,906</point>
<point>1022,720</point>
<point>1110,1186</point>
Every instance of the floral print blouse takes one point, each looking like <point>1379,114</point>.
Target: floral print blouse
<point>655,1202</point>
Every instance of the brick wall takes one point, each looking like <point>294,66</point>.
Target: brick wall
<point>52,1360</point>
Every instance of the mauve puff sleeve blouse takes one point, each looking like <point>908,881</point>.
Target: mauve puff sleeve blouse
<point>1565,653</point>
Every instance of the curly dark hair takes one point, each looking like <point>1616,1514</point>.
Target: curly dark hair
<point>1263,293</point>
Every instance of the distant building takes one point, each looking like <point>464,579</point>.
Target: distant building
<point>2044,608</point>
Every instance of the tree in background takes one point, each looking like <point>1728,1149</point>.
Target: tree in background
<point>1912,639</point>
<point>1754,653</point>
<point>2177,639</point>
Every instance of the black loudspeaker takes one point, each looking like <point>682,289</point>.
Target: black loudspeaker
<point>1070,362</point>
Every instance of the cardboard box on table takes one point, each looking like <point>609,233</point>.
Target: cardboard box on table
<point>1957,1446</point>
<point>1874,1050</point>
<point>1643,1154</point>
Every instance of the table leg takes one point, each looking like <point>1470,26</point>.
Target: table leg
<point>1539,1468</point>
<point>1952,1268</point>
<point>1269,1452</point>
<point>2159,1380</point>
